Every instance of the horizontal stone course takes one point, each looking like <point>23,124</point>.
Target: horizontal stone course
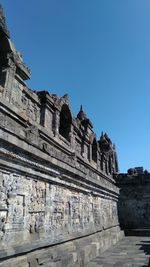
<point>72,253</point>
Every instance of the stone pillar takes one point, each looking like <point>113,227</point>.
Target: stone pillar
<point>106,166</point>
<point>84,150</point>
<point>102,161</point>
<point>90,152</point>
<point>56,122</point>
<point>110,165</point>
<point>72,138</point>
<point>8,81</point>
<point>48,118</point>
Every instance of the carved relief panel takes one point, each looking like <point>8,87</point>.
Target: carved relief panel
<point>36,208</point>
<point>12,203</point>
<point>3,219</point>
<point>30,207</point>
<point>30,108</point>
<point>76,211</point>
<point>3,207</point>
<point>97,209</point>
<point>87,209</point>
<point>58,206</point>
<point>16,93</point>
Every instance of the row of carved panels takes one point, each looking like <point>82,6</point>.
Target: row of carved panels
<point>34,206</point>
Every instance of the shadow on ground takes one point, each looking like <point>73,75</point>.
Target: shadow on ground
<point>145,247</point>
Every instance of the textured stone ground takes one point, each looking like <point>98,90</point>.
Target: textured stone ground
<point>130,251</point>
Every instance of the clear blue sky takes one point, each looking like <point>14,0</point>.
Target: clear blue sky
<point>99,53</point>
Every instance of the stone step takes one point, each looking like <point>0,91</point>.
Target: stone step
<point>132,251</point>
<point>138,232</point>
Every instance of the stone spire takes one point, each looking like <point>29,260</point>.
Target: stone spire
<point>83,118</point>
<point>3,25</point>
<point>81,115</point>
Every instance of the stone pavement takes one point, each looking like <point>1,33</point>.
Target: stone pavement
<point>130,251</point>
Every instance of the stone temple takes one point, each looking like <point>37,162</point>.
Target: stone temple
<point>63,202</point>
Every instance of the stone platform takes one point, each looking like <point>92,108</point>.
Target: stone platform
<point>130,251</point>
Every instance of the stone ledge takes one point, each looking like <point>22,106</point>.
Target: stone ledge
<point>22,248</point>
<point>75,252</point>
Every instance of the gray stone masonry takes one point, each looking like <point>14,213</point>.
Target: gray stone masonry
<point>134,200</point>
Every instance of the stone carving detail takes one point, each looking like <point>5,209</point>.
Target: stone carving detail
<point>96,208</point>
<point>12,203</point>
<point>3,218</point>
<point>75,211</point>
<point>37,196</point>
<point>3,193</point>
<point>16,94</point>
<point>17,211</point>
<point>27,106</point>
<point>37,206</point>
<point>88,211</point>
<point>36,222</point>
<point>30,108</point>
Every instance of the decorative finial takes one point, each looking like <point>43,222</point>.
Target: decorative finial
<point>65,97</point>
<point>81,108</point>
<point>81,115</point>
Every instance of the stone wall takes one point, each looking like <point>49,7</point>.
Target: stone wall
<point>134,200</point>
<point>56,179</point>
<point>74,253</point>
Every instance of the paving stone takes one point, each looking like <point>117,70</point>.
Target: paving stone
<point>126,253</point>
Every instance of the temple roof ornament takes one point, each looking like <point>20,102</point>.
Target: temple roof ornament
<point>83,118</point>
<point>105,142</point>
<point>81,115</point>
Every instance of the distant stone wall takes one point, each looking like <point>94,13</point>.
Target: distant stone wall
<point>134,200</point>
<point>56,179</point>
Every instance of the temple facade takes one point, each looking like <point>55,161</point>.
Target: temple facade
<point>59,200</point>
